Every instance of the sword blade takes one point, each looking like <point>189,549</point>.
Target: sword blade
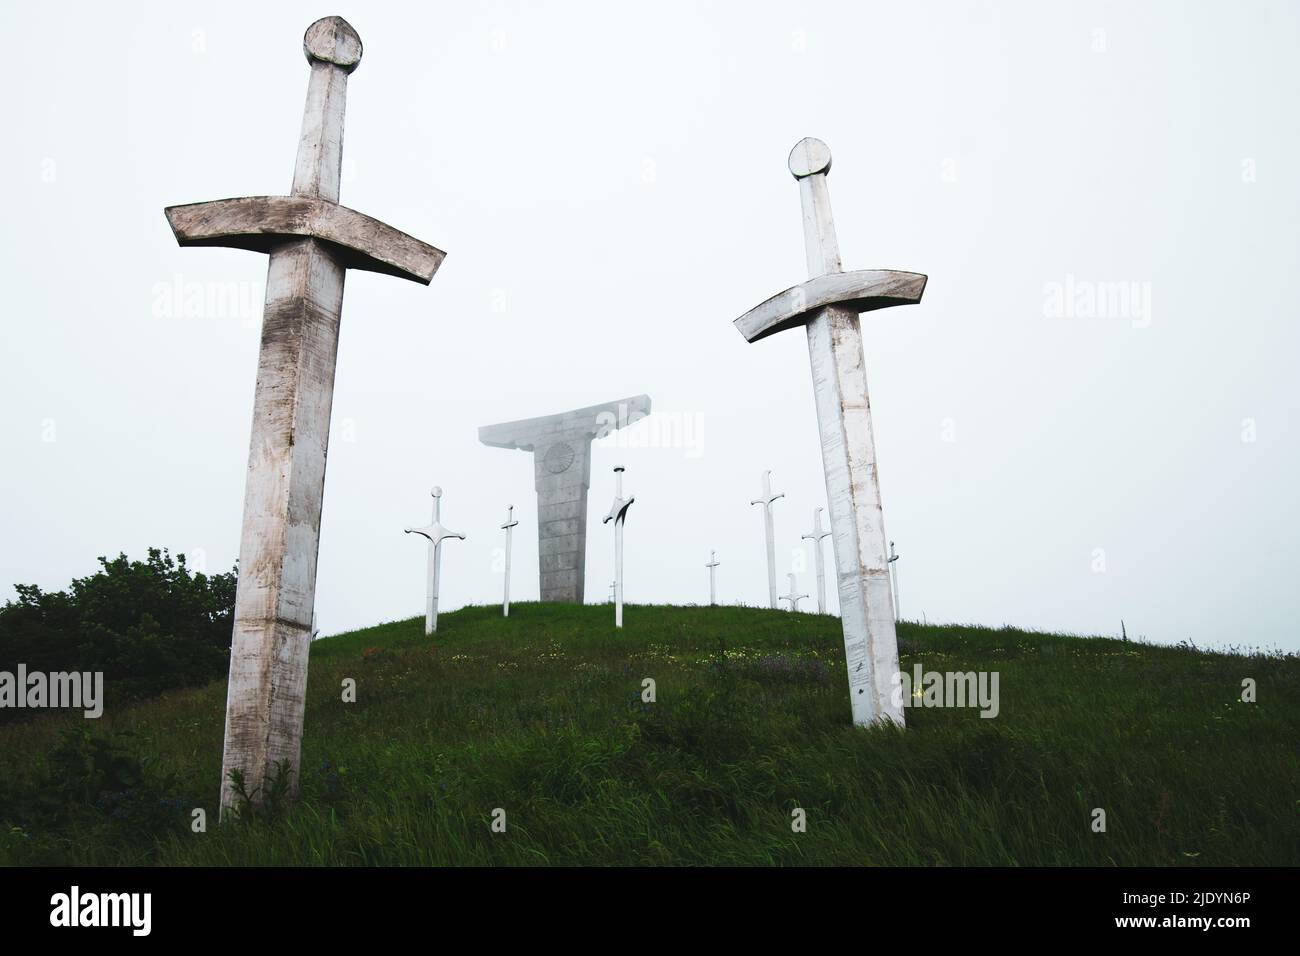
<point>856,519</point>
<point>280,542</point>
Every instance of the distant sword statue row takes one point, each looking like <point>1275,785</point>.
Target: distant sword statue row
<point>816,536</point>
<point>436,534</point>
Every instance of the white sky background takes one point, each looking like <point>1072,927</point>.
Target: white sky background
<point>610,184</point>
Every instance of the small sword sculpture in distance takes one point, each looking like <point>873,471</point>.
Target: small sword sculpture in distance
<point>713,576</point>
<point>435,533</point>
<point>618,515</point>
<point>893,574</point>
<point>815,536</point>
<point>792,597</point>
<point>769,534</point>
<point>508,527</point>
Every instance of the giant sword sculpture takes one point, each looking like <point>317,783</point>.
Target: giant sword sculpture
<point>828,305</point>
<point>311,241</point>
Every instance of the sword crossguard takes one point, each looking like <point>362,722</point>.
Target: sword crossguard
<point>767,491</point>
<point>260,223</point>
<point>817,532</point>
<point>510,518</point>
<point>862,291</point>
<point>436,532</point>
<point>618,510</point>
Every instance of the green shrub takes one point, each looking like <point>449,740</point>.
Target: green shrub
<point>148,626</point>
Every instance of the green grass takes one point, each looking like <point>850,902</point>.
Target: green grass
<point>541,715</point>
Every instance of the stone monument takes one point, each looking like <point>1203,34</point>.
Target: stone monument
<point>561,447</point>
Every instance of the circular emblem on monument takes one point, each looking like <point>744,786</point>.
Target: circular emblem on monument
<point>558,458</point>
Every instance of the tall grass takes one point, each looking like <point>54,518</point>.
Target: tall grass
<point>541,715</point>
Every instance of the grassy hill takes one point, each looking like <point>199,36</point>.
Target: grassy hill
<point>542,715</point>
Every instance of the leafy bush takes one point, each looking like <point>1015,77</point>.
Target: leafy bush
<point>149,626</point>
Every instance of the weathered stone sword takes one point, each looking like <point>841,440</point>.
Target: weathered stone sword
<point>828,305</point>
<point>311,241</point>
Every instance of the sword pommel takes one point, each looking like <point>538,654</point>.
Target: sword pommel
<point>809,157</point>
<point>332,40</point>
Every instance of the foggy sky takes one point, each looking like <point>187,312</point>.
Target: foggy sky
<point>1090,417</point>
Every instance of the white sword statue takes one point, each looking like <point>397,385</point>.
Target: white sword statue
<point>828,305</point>
<point>793,598</point>
<point>893,576</point>
<point>816,535</point>
<point>713,576</point>
<point>510,523</point>
<point>618,514</point>
<point>769,535</point>
<point>435,532</point>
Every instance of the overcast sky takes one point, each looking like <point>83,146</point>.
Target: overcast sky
<point>1090,417</point>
